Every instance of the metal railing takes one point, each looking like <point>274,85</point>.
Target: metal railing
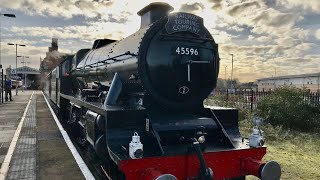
<point>247,98</point>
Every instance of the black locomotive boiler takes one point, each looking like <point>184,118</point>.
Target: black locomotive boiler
<point>139,103</point>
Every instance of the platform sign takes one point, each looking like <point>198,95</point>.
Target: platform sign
<point>185,22</point>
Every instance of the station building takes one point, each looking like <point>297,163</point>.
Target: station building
<point>308,81</point>
<point>25,75</point>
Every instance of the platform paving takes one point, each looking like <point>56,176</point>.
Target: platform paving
<point>23,162</point>
<point>40,152</point>
<point>10,116</point>
<point>55,160</point>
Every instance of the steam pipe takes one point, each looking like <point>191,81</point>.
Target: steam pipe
<point>114,91</point>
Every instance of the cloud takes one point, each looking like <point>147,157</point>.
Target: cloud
<point>235,10</point>
<point>191,7</point>
<point>317,34</point>
<point>217,4</point>
<point>297,60</point>
<point>273,19</point>
<point>83,33</point>
<point>313,5</point>
<point>35,52</point>
<point>66,9</point>
<point>287,41</point>
<point>270,3</point>
<point>118,19</point>
<point>264,39</point>
<point>11,4</point>
<point>262,34</point>
<point>221,36</point>
<point>305,46</point>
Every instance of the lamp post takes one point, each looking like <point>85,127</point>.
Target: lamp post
<point>2,82</point>
<point>11,44</point>
<point>231,85</point>
<point>225,76</point>
<point>6,15</point>
<point>24,74</point>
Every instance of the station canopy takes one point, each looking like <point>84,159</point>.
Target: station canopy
<point>25,70</point>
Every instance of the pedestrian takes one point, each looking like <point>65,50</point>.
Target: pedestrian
<point>8,88</point>
<point>1,94</point>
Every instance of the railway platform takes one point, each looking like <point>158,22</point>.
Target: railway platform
<point>33,144</point>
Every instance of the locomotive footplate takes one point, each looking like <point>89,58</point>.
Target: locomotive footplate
<point>165,135</point>
<point>177,132</point>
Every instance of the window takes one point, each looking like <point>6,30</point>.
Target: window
<point>65,68</point>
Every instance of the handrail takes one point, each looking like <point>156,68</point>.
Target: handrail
<point>105,61</point>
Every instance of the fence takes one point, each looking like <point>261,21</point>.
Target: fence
<point>247,98</point>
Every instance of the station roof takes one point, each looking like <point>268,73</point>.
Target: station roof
<point>290,76</point>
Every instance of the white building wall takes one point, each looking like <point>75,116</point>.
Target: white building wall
<point>308,82</point>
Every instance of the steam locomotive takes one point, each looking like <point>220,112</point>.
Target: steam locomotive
<point>139,103</point>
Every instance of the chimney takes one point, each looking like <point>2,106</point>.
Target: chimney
<point>54,44</point>
<point>153,12</point>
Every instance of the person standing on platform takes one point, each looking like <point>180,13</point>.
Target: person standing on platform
<point>8,88</point>
<point>1,94</point>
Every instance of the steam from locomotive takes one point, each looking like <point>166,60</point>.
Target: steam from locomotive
<point>139,103</point>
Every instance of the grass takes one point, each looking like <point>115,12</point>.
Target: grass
<point>297,153</point>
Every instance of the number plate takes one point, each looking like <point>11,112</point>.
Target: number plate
<point>186,51</point>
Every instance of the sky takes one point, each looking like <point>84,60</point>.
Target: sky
<point>267,37</point>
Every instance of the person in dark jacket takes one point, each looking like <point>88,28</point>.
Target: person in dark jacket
<point>8,88</point>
